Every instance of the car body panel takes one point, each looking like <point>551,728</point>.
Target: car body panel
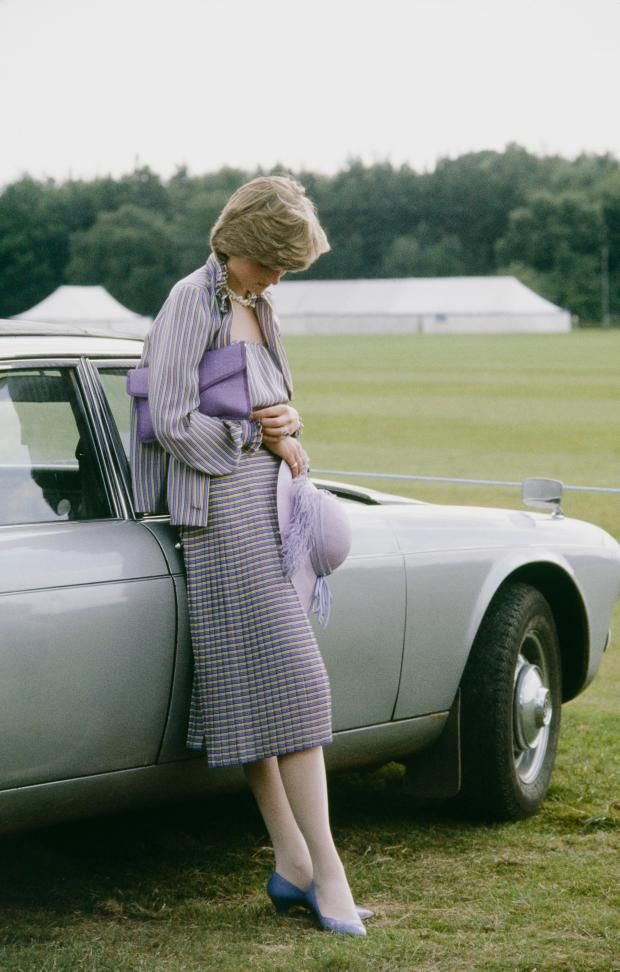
<point>597,577</point>
<point>55,346</point>
<point>468,552</point>
<point>49,803</point>
<point>363,644</point>
<point>365,635</point>
<point>87,649</point>
<point>73,553</point>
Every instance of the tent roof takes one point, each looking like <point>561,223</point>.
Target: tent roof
<point>86,306</point>
<point>410,295</point>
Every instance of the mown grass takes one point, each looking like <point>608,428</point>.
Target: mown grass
<point>499,407</point>
<point>182,888</point>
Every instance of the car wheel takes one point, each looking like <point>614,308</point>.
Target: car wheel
<point>511,706</point>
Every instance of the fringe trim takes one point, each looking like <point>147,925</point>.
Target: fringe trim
<point>303,525</point>
<point>321,602</point>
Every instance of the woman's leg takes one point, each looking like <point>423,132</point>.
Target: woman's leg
<point>305,785</point>
<point>292,859</point>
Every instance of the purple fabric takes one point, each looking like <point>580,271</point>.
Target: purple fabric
<point>303,526</point>
<point>322,599</point>
<point>222,384</point>
<point>316,538</point>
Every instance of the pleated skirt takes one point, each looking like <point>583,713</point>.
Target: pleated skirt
<point>260,687</point>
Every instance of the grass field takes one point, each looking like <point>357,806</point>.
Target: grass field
<point>502,407</point>
<point>183,888</point>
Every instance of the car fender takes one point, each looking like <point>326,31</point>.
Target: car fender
<point>448,595</point>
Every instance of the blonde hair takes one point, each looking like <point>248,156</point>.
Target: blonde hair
<point>271,220</point>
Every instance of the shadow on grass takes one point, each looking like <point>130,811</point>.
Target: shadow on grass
<point>74,866</point>
<point>207,848</point>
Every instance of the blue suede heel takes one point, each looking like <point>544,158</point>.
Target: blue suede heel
<point>354,927</point>
<point>285,895</point>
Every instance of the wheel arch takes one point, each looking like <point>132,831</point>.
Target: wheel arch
<point>569,613</point>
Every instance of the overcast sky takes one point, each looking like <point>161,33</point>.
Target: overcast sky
<point>90,87</point>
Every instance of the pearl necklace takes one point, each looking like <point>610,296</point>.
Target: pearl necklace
<point>244,301</point>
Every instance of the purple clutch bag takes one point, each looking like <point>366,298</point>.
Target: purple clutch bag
<point>222,385</point>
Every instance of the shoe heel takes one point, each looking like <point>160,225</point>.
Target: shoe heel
<point>283,894</point>
<point>282,905</point>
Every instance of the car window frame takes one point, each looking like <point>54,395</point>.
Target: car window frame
<point>110,439</point>
<point>119,457</point>
<point>88,400</point>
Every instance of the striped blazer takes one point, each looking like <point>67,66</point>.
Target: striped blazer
<point>172,475</point>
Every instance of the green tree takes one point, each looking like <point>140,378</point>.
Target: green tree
<point>410,256</point>
<point>363,209</point>
<point>559,237</point>
<point>611,219</point>
<point>34,244</point>
<point>192,226</point>
<point>470,199</point>
<point>130,252</point>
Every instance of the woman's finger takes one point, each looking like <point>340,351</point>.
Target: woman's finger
<point>273,435</point>
<point>272,411</point>
<point>277,415</point>
<point>274,423</point>
<point>295,458</point>
<point>300,462</point>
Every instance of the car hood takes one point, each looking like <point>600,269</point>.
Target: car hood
<point>433,527</point>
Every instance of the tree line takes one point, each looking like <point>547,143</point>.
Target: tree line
<point>553,223</point>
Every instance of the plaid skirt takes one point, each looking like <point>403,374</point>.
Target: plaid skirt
<point>260,687</point>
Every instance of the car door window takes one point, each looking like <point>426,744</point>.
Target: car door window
<point>114,381</point>
<point>48,463</point>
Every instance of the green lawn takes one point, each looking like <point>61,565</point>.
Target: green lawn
<point>500,407</point>
<point>183,888</point>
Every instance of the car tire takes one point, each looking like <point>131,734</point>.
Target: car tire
<point>511,707</point>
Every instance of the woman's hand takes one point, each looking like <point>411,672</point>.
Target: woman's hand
<point>291,450</point>
<point>277,421</point>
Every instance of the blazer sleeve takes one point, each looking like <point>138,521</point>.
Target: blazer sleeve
<point>205,443</point>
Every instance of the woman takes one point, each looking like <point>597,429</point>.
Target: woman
<point>261,696</point>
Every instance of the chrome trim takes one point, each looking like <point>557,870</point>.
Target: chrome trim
<point>115,362</point>
<point>46,523</point>
<point>532,708</point>
<point>58,362</point>
<point>544,494</point>
<point>92,395</point>
<point>120,458</point>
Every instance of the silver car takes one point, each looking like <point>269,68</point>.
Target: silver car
<point>456,634</point>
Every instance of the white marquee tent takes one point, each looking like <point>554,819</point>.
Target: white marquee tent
<point>423,305</point>
<point>89,307</point>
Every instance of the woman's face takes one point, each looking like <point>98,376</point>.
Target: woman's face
<point>249,275</point>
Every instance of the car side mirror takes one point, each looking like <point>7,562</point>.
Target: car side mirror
<point>545,494</point>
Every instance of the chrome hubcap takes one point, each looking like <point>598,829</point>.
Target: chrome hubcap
<point>532,709</point>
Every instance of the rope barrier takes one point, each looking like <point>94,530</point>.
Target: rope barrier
<point>447,479</point>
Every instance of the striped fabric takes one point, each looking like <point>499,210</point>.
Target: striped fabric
<point>173,473</point>
<point>266,383</point>
<point>260,686</point>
